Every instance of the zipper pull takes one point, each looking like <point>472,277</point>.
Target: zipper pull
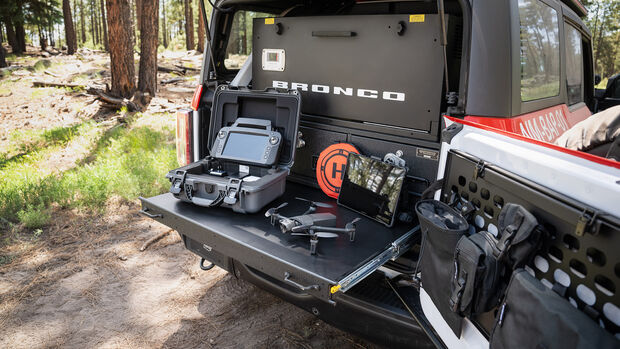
<point>502,311</point>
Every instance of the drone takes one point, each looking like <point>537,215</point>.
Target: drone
<point>310,224</point>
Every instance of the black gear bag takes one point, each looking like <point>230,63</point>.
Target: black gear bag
<point>533,316</point>
<point>482,262</point>
<point>441,227</point>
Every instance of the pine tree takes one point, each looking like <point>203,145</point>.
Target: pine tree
<point>189,26</point>
<point>149,32</point>
<point>121,50</point>
<point>69,29</point>
<point>201,29</point>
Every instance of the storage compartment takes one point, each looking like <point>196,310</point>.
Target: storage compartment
<point>336,64</point>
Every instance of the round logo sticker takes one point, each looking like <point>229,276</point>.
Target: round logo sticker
<point>331,166</point>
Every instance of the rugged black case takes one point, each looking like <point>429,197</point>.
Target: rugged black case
<point>192,183</point>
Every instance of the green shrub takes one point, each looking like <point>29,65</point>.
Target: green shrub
<point>126,162</point>
<point>34,217</point>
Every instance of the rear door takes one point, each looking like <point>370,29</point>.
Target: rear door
<point>573,195</point>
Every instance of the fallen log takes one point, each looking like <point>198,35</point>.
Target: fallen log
<point>154,239</point>
<point>50,73</point>
<point>170,70</point>
<point>56,84</point>
<point>90,89</point>
<point>186,68</point>
<point>119,102</point>
<point>170,81</point>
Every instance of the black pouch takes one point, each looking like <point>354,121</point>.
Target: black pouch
<point>476,276</point>
<point>533,316</point>
<point>441,227</point>
<point>520,236</point>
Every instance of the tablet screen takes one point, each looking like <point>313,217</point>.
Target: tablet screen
<point>250,147</point>
<point>372,187</point>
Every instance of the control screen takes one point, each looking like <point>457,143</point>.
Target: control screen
<point>372,187</point>
<point>246,146</point>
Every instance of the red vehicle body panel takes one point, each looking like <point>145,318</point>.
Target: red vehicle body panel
<point>543,125</point>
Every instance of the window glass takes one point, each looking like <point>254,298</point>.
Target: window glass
<point>240,40</point>
<point>574,64</point>
<point>540,50</point>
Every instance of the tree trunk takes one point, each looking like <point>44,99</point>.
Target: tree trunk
<point>92,23</point>
<point>121,50</point>
<point>21,36</point>
<point>50,30</point>
<point>149,33</point>
<point>189,26</point>
<point>201,30</point>
<point>69,29</point>
<point>77,25</point>
<point>2,52</point>
<point>11,37</point>
<point>105,26</point>
<point>132,22</point>
<point>82,21</point>
<point>42,40</point>
<point>163,27</point>
<point>243,33</point>
<point>96,21</point>
<point>138,5</point>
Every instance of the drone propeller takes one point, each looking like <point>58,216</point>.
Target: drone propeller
<point>314,203</point>
<point>318,234</point>
<point>351,225</point>
<point>325,235</point>
<point>270,212</point>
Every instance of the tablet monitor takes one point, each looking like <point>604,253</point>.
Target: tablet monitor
<point>372,188</point>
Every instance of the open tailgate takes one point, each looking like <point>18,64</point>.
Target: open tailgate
<point>253,241</point>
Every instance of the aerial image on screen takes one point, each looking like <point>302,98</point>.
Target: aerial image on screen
<point>372,187</point>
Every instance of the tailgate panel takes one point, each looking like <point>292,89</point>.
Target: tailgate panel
<point>253,241</point>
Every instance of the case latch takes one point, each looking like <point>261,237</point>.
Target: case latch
<point>177,183</point>
<point>232,191</point>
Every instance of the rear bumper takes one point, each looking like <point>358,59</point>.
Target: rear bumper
<point>383,326</point>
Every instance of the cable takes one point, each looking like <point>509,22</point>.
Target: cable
<point>431,335</point>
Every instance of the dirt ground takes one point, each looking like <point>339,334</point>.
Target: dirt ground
<point>83,281</point>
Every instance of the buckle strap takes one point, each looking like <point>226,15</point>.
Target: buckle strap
<point>458,285</point>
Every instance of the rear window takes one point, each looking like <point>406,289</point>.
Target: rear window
<point>574,64</point>
<point>540,50</point>
<point>240,40</point>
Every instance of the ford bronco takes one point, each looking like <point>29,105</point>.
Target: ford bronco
<point>473,96</point>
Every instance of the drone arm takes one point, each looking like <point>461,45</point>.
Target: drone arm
<point>330,229</point>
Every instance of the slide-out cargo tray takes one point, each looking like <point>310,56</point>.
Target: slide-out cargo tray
<point>253,241</point>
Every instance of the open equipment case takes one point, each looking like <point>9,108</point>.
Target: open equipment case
<point>240,181</point>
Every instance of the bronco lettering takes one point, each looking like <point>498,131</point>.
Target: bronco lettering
<point>337,90</point>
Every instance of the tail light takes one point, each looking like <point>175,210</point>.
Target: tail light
<point>196,97</point>
<point>184,137</point>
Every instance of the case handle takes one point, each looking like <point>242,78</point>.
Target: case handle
<point>208,202</point>
<point>333,34</point>
<point>287,279</point>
